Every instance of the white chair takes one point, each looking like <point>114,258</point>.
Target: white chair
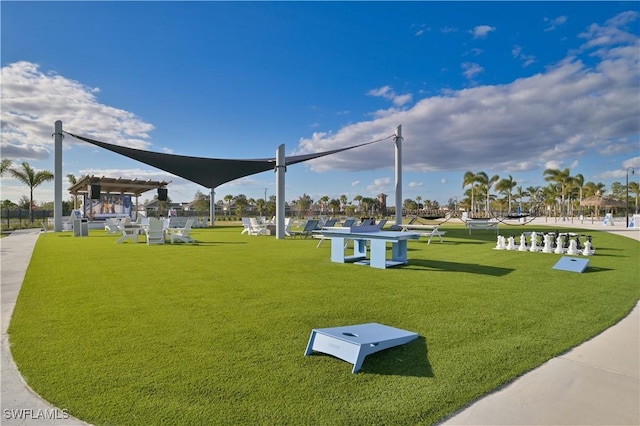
<point>246,223</point>
<point>155,232</point>
<point>182,234</point>
<point>111,226</point>
<point>128,234</point>
<point>256,228</point>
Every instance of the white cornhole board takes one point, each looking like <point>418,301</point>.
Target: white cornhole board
<point>572,264</point>
<point>352,343</point>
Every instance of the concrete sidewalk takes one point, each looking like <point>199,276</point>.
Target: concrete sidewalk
<point>20,404</point>
<point>596,383</point>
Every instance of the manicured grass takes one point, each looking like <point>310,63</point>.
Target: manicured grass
<point>214,333</point>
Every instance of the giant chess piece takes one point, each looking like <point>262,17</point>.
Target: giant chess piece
<point>523,243</point>
<point>511,243</point>
<point>548,245</point>
<point>534,242</point>
<point>501,245</point>
<point>578,243</point>
<point>559,244</point>
<point>556,239</point>
<point>587,249</point>
<point>590,241</point>
<point>573,247</point>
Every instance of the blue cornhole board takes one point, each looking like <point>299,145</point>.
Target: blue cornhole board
<point>572,264</point>
<point>352,343</point>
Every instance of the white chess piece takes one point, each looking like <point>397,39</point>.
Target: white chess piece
<point>547,244</point>
<point>523,243</point>
<point>573,247</point>
<point>534,242</point>
<point>501,245</point>
<point>587,249</point>
<point>559,249</point>
<point>511,243</point>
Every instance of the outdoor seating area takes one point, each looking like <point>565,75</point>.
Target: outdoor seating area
<point>482,224</point>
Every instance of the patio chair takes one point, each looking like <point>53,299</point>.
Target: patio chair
<point>381,223</point>
<point>128,233</point>
<point>182,234</point>
<point>111,226</point>
<point>309,227</point>
<point>349,223</point>
<point>257,228</point>
<point>155,232</point>
<point>246,223</point>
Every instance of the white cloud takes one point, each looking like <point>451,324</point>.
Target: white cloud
<point>471,69</point>
<point>388,93</point>
<point>526,59</point>
<point>379,185</point>
<point>482,31</point>
<point>559,115</point>
<point>443,181</point>
<point>415,184</point>
<point>555,22</point>
<point>355,183</point>
<point>33,100</point>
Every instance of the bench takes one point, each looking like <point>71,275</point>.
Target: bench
<point>481,224</point>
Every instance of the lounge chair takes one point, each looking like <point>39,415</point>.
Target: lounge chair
<point>182,234</point>
<point>246,224</point>
<point>309,227</point>
<point>155,232</point>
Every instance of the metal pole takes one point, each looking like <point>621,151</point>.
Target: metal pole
<point>398,141</point>
<point>627,199</point>
<point>57,177</point>
<point>212,206</point>
<point>281,168</point>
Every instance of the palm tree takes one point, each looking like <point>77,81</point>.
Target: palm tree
<point>358,198</point>
<point>227,199</point>
<point>505,186</point>
<point>563,179</point>
<point>487,183</point>
<point>5,166</point>
<point>469,179</point>
<point>33,179</point>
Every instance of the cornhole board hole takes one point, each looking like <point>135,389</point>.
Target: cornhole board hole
<point>572,264</point>
<point>352,343</point>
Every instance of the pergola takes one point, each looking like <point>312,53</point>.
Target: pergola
<point>116,186</point>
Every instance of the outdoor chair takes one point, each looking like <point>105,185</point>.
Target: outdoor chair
<point>155,231</point>
<point>111,226</point>
<point>246,223</point>
<point>256,228</point>
<point>128,233</point>
<point>182,234</point>
<point>309,227</point>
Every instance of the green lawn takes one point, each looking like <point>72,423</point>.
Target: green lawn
<point>214,333</point>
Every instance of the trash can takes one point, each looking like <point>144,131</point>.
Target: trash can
<point>80,228</point>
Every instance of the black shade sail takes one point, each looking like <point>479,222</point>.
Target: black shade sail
<point>209,172</point>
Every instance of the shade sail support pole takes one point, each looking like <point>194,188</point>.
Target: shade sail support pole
<point>212,206</point>
<point>398,142</point>
<point>280,171</point>
<point>57,177</point>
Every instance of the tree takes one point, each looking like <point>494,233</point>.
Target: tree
<point>634,188</point>
<point>505,186</point>
<point>469,179</point>
<point>358,199</point>
<point>487,182</point>
<point>5,166</point>
<point>241,204</point>
<point>303,203</point>
<point>343,202</point>
<point>334,205</point>
<point>31,178</point>
<point>563,179</point>
<point>324,201</point>
<point>227,198</point>
<point>201,202</point>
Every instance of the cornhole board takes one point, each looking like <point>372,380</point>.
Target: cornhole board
<point>352,343</point>
<point>571,264</point>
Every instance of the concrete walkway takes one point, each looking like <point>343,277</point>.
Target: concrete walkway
<point>596,383</point>
<point>20,404</point>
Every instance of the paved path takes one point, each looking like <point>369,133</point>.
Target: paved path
<point>20,404</point>
<point>596,383</point>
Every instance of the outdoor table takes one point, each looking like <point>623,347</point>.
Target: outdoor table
<point>377,240</point>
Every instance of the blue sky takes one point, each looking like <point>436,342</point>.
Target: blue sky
<point>509,88</point>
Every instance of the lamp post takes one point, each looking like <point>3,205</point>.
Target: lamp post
<point>627,200</point>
